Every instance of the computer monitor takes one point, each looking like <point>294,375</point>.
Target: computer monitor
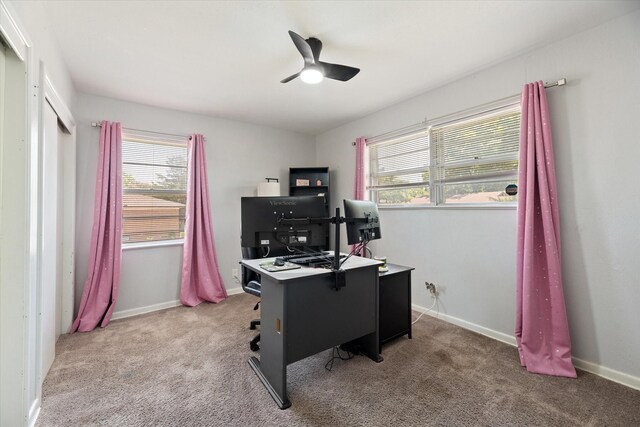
<point>363,223</point>
<point>263,228</point>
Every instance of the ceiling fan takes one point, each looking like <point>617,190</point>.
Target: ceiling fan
<point>315,70</point>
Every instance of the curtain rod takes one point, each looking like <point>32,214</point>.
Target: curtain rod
<point>547,85</point>
<point>560,82</point>
<point>98,124</point>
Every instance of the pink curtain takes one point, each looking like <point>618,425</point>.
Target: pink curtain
<point>100,290</point>
<point>359,190</point>
<point>542,331</point>
<point>201,279</point>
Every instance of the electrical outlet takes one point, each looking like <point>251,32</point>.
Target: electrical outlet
<point>431,287</point>
<point>234,274</point>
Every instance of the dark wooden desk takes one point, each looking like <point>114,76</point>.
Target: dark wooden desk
<point>302,314</point>
<point>395,303</point>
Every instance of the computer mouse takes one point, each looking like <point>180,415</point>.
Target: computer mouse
<point>279,262</point>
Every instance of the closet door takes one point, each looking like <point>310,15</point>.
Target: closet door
<point>15,370</point>
<point>3,79</point>
<point>51,239</point>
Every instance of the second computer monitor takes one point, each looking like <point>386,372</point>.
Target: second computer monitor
<point>363,223</point>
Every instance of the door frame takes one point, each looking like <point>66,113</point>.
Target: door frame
<point>26,401</point>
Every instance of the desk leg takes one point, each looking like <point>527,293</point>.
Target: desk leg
<point>271,369</point>
<point>371,347</point>
<point>409,302</point>
<point>277,391</point>
<point>370,344</point>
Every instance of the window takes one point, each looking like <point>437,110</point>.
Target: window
<point>465,160</point>
<point>154,181</point>
<point>400,169</point>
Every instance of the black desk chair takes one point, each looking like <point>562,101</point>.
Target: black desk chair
<point>252,287</point>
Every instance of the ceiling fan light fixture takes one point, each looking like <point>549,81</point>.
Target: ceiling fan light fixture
<point>311,75</point>
<point>314,70</point>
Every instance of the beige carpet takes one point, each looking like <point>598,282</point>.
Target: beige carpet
<point>188,366</point>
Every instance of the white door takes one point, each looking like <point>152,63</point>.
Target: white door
<point>60,227</point>
<point>3,78</point>
<point>14,226</point>
<point>50,297</point>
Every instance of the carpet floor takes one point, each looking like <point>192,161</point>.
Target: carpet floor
<point>188,367</point>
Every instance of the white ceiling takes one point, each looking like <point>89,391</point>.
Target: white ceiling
<point>226,59</point>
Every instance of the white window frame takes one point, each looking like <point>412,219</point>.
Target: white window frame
<point>436,189</point>
<point>152,138</point>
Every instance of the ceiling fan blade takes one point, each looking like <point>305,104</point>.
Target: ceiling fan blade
<point>338,72</point>
<point>288,79</point>
<point>316,48</point>
<point>303,47</point>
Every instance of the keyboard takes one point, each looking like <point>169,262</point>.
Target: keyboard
<point>314,260</point>
<point>296,256</point>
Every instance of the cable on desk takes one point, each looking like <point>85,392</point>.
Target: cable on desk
<point>335,354</point>
<point>355,249</point>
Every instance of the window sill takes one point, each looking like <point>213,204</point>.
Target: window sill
<point>452,206</point>
<point>158,244</point>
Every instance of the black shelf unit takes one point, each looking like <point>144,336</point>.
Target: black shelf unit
<point>313,175</point>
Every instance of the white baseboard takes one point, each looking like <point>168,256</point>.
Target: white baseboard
<point>594,368</point>
<point>505,338</point>
<point>34,411</point>
<point>163,305</point>
<point>608,373</point>
<point>235,291</point>
<point>142,310</point>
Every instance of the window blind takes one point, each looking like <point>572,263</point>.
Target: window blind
<point>468,158</point>
<point>399,169</point>
<point>154,180</point>
<point>475,158</point>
